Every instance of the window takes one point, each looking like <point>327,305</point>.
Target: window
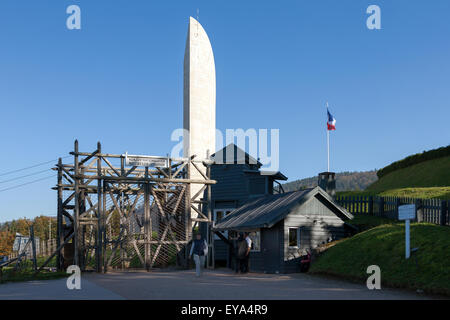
<point>219,214</point>
<point>256,240</point>
<point>294,237</point>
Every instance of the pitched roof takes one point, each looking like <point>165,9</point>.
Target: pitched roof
<point>266,211</point>
<point>232,154</point>
<point>277,175</point>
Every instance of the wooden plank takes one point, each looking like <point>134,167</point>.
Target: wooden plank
<point>179,170</point>
<point>443,213</point>
<point>129,171</point>
<point>200,171</point>
<point>89,157</point>
<point>111,166</point>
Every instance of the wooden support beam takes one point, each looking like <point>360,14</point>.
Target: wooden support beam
<point>33,247</point>
<point>54,253</point>
<point>200,171</point>
<point>89,157</point>
<point>111,166</point>
<point>146,180</point>
<point>59,218</point>
<point>76,209</point>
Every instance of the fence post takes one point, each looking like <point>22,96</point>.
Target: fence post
<point>443,212</point>
<point>397,204</point>
<point>370,206</point>
<point>419,210</point>
<point>360,204</point>
<point>382,206</point>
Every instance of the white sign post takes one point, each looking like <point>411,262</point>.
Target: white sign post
<point>407,212</point>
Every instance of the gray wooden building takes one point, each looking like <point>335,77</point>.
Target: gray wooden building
<point>285,225</point>
<point>20,242</point>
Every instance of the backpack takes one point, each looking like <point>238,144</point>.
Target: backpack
<point>242,249</point>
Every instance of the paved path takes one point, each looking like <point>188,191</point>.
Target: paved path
<point>54,290</point>
<point>217,284</point>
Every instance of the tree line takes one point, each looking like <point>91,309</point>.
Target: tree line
<point>44,229</point>
<point>345,181</point>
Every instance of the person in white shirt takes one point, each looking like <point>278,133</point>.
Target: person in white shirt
<point>247,254</point>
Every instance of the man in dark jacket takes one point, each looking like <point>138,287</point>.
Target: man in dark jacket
<point>237,241</point>
<point>243,254</point>
<point>199,249</point>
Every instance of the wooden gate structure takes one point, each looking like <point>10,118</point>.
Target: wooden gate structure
<point>149,208</point>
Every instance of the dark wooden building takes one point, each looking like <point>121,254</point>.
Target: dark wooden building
<point>285,225</point>
<point>239,180</point>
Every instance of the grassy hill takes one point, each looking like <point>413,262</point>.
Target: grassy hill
<point>415,159</point>
<point>424,175</point>
<point>431,173</point>
<point>384,246</point>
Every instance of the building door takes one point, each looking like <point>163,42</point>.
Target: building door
<point>270,249</point>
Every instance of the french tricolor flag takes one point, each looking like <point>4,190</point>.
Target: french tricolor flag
<point>331,123</point>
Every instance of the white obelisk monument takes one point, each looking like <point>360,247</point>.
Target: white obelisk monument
<point>199,98</point>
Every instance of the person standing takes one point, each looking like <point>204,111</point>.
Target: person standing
<point>248,243</point>
<point>238,254</point>
<point>244,247</point>
<point>199,249</point>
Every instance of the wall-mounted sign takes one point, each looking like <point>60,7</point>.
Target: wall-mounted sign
<point>407,212</point>
<point>146,161</point>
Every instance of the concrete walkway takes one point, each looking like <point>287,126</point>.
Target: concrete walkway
<point>219,284</point>
<point>54,290</point>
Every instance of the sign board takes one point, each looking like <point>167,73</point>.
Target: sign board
<point>407,212</point>
<point>146,161</point>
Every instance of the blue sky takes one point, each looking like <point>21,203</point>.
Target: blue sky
<point>277,63</point>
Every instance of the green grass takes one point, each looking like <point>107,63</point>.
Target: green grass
<point>366,222</point>
<point>26,272</point>
<point>431,173</point>
<point>425,180</point>
<point>422,193</point>
<point>384,246</point>
<point>355,193</point>
<point>8,275</point>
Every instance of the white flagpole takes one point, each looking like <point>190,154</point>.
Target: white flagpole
<point>328,148</point>
<point>328,142</point>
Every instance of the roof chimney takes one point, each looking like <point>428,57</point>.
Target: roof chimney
<point>327,181</point>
